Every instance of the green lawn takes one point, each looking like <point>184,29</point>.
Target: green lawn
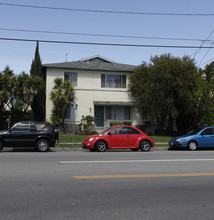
<point>64,139</point>
<point>161,139</point>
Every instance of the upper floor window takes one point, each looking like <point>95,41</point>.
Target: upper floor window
<point>113,81</point>
<point>72,76</point>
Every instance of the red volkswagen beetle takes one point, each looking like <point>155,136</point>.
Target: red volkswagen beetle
<point>120,136</point>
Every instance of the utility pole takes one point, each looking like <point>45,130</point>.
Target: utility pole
<point>74,108</point>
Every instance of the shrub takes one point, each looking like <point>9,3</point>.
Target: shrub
<point>86,124</point>
<point>141,127</point>
<point>127,123</point>
<point>113,123</point>
<point>91,132</point>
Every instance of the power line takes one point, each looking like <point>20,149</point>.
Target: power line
<point>206,62</point>
<point>202,43</point>
<point>107,11</point>
<point>108,44</point>
<point>104,35</point>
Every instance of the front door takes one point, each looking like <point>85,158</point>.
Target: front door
<point>99,116</point>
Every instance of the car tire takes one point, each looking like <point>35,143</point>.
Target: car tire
<point>42,145</point>
<point>1,146</point>
<point>192,145</point>
<point>100,146</point>
<point>145,145</point>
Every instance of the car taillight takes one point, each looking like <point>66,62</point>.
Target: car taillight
<point>52,135</point>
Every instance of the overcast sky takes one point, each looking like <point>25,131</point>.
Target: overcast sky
<point>115,22</point>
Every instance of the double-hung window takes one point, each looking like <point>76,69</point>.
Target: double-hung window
<point>113,81</point>
<point>72,76</point>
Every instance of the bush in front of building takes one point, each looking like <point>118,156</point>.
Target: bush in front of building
<point>86,124</point>
<point>113,123</point>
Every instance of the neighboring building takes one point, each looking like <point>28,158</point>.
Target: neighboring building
<point>101,90</point>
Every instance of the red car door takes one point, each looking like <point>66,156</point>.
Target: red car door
<point>118,138</point>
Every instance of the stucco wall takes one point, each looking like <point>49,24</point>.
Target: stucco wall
<point>87,91</point>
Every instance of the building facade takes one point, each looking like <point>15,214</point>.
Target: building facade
<point>101,91</point>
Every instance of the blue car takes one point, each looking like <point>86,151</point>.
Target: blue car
<point>197,138</point>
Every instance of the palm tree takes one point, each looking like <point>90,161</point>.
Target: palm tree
<point>62,97</point>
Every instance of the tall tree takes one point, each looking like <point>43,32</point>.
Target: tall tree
<point>171,89</point>
<point>27,87</point>
<point>16,95</point>
<point>38,105</point>
<point>7,83</point>
<point>62,97</point>
<point>209,72</point>
<point>36,66</point>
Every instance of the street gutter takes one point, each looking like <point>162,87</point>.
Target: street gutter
<point>78,147</point>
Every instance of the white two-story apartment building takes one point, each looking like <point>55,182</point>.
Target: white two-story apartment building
<point>101,90</point>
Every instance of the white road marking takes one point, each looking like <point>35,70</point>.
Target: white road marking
<point>144,175</point>
<point>134,161</point>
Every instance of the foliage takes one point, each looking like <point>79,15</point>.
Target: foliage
<point>92,132</point>
<point>16,95</point>
<point>62,96</point>
<point>113,123</point>
<point>27,88</point>
<point>171,89</point>
<point>36,66</point>
<point>86,124</point>
<point>209,72</point>
<point>38,104</point>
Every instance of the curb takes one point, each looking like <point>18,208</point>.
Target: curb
<point>64,149</point>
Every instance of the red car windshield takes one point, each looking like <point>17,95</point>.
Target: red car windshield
<point>103,132</point>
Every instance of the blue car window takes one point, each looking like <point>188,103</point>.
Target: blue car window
<point>208,131</point>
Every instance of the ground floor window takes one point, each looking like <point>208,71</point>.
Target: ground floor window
<point>103,113</point>
<point>118,112</point>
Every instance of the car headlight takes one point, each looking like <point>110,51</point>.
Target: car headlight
<point>91,139</point>
<point>179,139</point>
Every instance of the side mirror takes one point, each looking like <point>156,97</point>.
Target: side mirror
<point>109,133</point>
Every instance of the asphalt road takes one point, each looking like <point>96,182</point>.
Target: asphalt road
<point>110,185</point>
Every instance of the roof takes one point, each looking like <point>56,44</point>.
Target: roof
<point>93,63</point>
<point>97,58</point>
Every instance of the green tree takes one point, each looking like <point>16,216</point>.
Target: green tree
<point>62,97</point>
<point>16,95</point>
<point>7,82</point>
<point>26,89</point>
<point>171,89</point>
<point>38,104</point>
<point>209,72</point>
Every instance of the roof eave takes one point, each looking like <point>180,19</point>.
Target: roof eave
<point>85,68</point>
